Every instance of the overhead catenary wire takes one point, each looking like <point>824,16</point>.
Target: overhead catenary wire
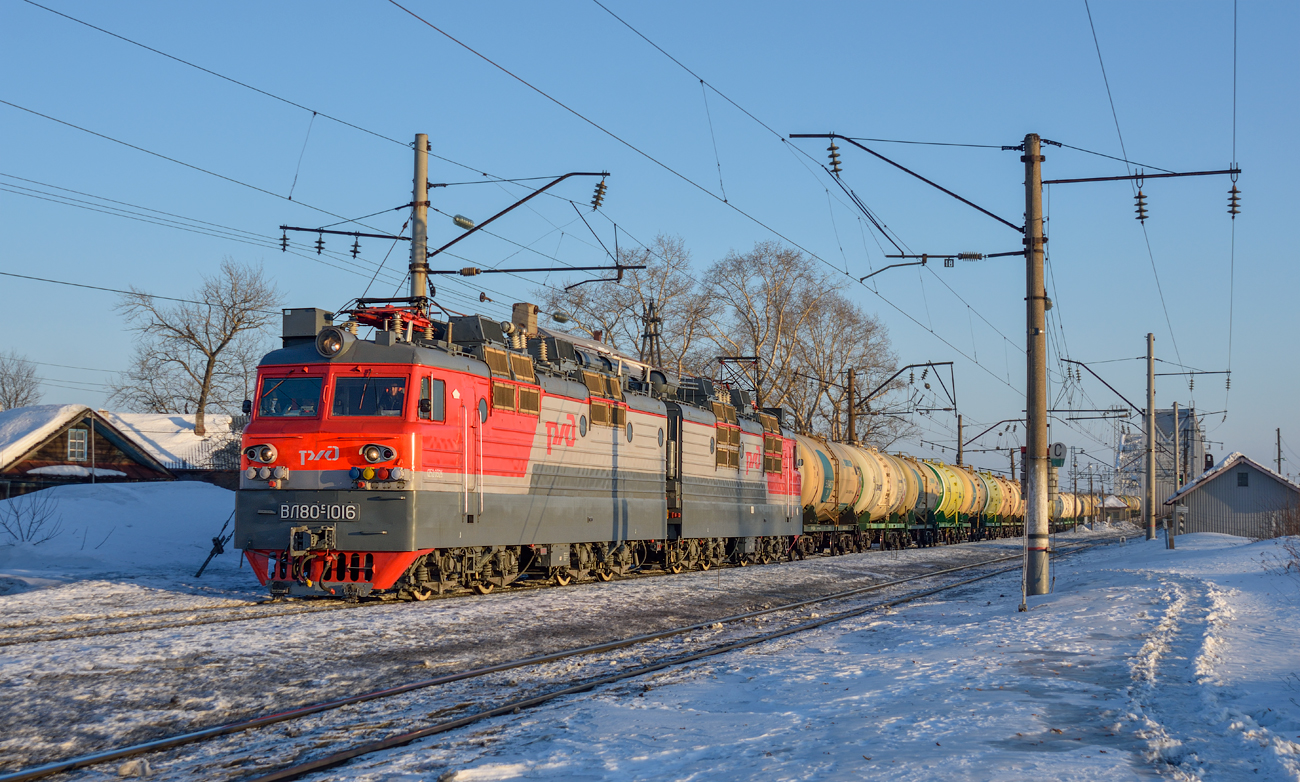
<point>1128,168</point>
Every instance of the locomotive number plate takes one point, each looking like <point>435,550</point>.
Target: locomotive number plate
<point>319,512</point>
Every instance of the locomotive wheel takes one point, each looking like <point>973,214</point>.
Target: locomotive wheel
<point>483,587</point>
<point>673,567</point>
<point>603,575</point>
<point>705,564</point>
<point>421,594</point>
<point>563,578</point>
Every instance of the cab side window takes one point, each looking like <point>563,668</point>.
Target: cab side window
<point>432,399</point>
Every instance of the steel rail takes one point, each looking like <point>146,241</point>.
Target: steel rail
<point>338,758</point>
<point>71,636</point>
<point>82,761</point>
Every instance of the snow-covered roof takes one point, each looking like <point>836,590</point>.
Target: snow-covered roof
<point>1227,463</point>
<point>24,428</point>
<point>1111,501</point>
<point>169,438</point>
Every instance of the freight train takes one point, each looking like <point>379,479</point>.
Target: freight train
<point>468,453</point>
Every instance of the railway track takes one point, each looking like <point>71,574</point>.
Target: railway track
<point>546,692</point>
<point>171,618</point>
<point>120,624</point>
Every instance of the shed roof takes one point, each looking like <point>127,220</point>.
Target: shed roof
<point>169,438</point>
<point>1226,464</point>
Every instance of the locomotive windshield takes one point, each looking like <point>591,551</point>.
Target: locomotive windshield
<point>356,396</point>
<point>289,396</point>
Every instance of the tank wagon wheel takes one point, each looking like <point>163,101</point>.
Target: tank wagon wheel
<point>705,563</point>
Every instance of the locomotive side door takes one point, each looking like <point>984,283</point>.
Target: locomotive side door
<point>673,471</point>
<point>473,416</point>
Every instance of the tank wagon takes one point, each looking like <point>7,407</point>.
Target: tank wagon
<point>465,453</point>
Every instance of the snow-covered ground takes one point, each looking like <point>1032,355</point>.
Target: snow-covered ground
<point>1143,661</point>
<point>123,536</point>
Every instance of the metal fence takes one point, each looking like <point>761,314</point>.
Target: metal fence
<point>218,451</point>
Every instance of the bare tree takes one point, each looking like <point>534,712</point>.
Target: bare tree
<point>839,335</point>
<point>616,308</point>
<point>764,299</point>
<point>19,385</point>
<point>190,357</point>
<point>32,518</point>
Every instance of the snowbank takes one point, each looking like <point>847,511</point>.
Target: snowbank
<point>157,531</point>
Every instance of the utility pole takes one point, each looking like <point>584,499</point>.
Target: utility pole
<point>853,419</point>
<point>1149,498</point>
<point>420,221</point>
<point>1279,450</point>
<point>1074,473</point>
<point>959,443</point>
<point>1173,520</point>
<point>1037,524</point>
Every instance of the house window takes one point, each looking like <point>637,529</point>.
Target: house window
<point>77,445</point>
<point>1243,479</point>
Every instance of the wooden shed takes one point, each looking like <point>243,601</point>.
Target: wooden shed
<point>1238,496</point>
<point>54,445</point>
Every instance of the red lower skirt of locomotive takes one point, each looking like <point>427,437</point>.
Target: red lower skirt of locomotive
<point>331,572</point>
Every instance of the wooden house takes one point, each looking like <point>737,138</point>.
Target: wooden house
<point>55,445</point>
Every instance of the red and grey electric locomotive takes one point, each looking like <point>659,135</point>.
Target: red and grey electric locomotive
<point>466,453</point>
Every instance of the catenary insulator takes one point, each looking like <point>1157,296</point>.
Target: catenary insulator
<point>320,243</point>
<point>284,242</point>
<point>971,256</point>
<point>1141,207</point>
<point>598,197</point>
<point>356,248</point>
<point>835,158</point>
<point>911,377</point>
<point>1234,202</point>
<point>1191,382</point>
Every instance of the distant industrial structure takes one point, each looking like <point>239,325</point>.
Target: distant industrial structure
<point>1190,456</point>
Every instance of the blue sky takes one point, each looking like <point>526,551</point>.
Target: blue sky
<point>979,73</point>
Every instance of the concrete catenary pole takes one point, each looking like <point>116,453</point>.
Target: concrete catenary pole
<point>853,418</point>
<point>420,220</point>
<point>1279,450</point>
<point>1037,525</point>
<point>960,452</point>
<point>1149,496</point>
<point>1173,520</point>
<point>1074,473</point>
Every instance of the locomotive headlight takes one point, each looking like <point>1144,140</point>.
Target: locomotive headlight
<point>260,453</point>
<point>377,453</point>
<point>332,341</point>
